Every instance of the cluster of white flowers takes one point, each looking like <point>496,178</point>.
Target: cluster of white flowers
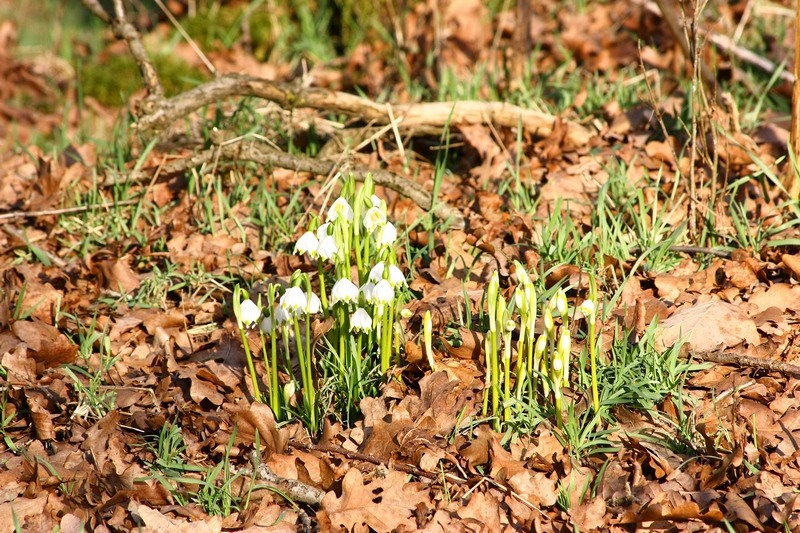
<point>295,302</point>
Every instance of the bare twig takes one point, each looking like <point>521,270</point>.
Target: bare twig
<point>22,236</point>
<point>357,456</point>
<point>295,490</point>
<point>64,211</point>
<point>732,358</point>
<point>236,150</point>
<point>407,115</point>
<point>125,30</point>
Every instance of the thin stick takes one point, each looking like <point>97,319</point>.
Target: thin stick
<point>732,358</point>
<point>235,151</point>
<point>357,456</point>
<point>21,236</point>
<point>64,211</point>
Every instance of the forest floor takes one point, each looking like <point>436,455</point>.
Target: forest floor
<point>615,173</point>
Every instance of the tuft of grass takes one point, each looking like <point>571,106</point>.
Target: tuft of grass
<point>95,398</point>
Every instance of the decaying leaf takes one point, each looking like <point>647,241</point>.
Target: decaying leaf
<point>48,346</point>
<point>383,505</point>
<point>707,327</point>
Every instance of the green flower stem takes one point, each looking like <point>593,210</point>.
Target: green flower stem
<point>385,338</point>
<point>250,366</point>
<point>487,349</point>
<point>507,377</point>
<point>341,332</point>
<point>305,375</point>
<point>521,348</point>
<point>274,389</point>
<point>593,362</point>
<point>323,297</point>
<point>495,380</point>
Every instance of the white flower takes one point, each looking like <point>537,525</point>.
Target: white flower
<point>396,277</point>
<point>376,272</point>
<point>313,304</point>
<point>374,218</point>
<point>360,321</point>
<point>281,315</point>
<point>378,202</point>
<point>383,293</point>
<point>588,308</point>
<point>387,234</point>
<point>266,325</point>
<point>322,231</point>
<point>293,300</point>
<point>327,248</point>
<point>307,243</point>
<point>366,291</point>
<point>249,313</point>
<point>345,291</point>
<point>340,209</point>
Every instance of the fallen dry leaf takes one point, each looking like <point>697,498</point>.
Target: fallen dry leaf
<point>48,346</point>
<point>708,327</point>
<point>383,505</point>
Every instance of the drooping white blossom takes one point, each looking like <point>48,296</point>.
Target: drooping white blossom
<point>366,292</point>
<point>327,248</point>
<point>293,300</point>
<point>313,304</point>
<point>340,210</point>
<point>396,277</point>
<point>360,321</point>
<point>387,234</point>
<point>588,308</point>
<point>376,272</point>
<point>249,312</point>
<point>307,243</point>
<point>345,291</point>
<point>383,293</point>
<point>374,218</point>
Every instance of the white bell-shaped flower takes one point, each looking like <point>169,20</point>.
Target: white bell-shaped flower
<point>250,313</point>
<point>327,248</point>
<point>376,272</point>
<point>345,291</point>
<point>366,291</point>
<point>307,244</point>
<point>293,300</point>
<point>360,321</point>
<point>340,209</point>
<point>383,293</point>
<point>374,218</point>
<point>396,277</point>
<point>313,304</point>
<point>387,234</point>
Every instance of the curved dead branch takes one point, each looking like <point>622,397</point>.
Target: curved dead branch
<point>438,114</point>
<point>237,150</point>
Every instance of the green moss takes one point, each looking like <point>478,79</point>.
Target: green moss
<point>113,80</point>
<point>220,27</point>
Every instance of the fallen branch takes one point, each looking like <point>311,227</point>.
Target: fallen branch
<point>236,151</point>
<point>64,211</point>
<point>357,456</point>
<point>732,358</point>
<point>293,489</point>
<point>438,114</point>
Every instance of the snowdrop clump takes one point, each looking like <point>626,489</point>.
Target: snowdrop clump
<point>354,253</point>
